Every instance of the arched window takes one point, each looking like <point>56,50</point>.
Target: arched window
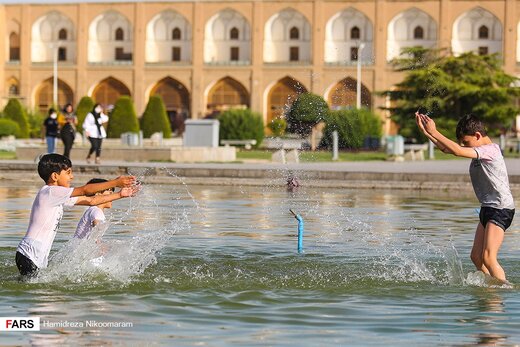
<point>355,33</point>
<point>120,35</point>
<point>294,34</point>
<point>176,34</point>
<point>14,47</point>
<point>233,34</point>
<point>483,32</point>
<point>62,34</point>
<point>13,89</point>
<point>418,33</point>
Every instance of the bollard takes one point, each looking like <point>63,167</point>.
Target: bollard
<point>335,155</point>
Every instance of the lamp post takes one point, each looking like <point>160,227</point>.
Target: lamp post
<point>55,75</point>
<point>358,85</point>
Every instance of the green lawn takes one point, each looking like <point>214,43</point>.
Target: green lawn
<point>317,156</point>
<point>7,155</point>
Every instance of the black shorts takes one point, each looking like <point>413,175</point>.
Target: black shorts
<point>25,265</point>
<point>501,217</point>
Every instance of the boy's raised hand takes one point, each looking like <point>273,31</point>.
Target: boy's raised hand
<point>125,181</point>
<point>130,191</point>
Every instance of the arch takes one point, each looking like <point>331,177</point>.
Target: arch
<point>110,38</point>
<point>468,28</point>
<point>48,33</point>
<point>44,95</point>
<point>176,98</point>
<point>281,96</point>
<point>344,32</point>
<point>280,37</point>
<point>234,33</point>
<point>225,94</point>
<point>13,87</point>
<point>109,90</point>
<point>402,32</point>
<point>343,95</point>
<point>222,36</point>
<point>168,38</point>
<point>14,46</point>
<point>418,33</point>
<point>176,34</point>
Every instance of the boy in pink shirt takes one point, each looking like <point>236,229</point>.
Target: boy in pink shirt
<point>490,182</point>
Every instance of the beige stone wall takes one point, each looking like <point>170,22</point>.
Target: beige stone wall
<point>257,78</point>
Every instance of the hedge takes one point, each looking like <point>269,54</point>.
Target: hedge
<point>8,127</point>
<point>241,124</point>
<point>354,127</point>
<point>123,118</point>
<point>155,119</point>
<point>15,111</point>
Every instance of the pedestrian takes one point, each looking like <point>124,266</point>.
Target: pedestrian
<point>94,130</point>
<point>68,131</point>
<point>50,130</point>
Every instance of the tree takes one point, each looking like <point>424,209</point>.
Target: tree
<point>15,112</point>
<point>155,119</point>
<point>448,87</point>
<point>123,118</point>
<point>8,127</point>
<point>238,124</point>
<point>305,112</point>
<point>85,105</point>
<point>354,127</point>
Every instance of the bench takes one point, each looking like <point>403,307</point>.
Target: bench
<point>415,151</point>
<point>246,143</point>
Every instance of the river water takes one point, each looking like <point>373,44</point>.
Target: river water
<point>217,265</point>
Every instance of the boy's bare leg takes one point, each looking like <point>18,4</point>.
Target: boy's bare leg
<point>492,241</point>
<point>477,252</point>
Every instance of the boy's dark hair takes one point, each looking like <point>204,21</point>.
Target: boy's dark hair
<point>52,162</point>
<point>469,125</point>
<point>100,180</point>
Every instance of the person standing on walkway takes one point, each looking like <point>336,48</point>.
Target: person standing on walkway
<point>94,130</point>
<point>50,130</point>
<point>68,131</point>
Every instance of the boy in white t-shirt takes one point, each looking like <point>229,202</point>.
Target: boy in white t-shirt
<point>47,209</point>
<point>490,182</point>
<point>94,215</point>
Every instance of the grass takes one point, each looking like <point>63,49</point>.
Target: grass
<point>317,156</point>
<point>7,155</point>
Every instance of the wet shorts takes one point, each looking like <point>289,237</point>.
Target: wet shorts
<point>25,265</point>
<point>501,217</point>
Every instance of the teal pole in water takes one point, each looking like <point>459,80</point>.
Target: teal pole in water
<point>300,230</point>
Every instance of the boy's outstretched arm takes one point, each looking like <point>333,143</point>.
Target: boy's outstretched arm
<point>420,124</point>
<point>441,140</point>
<point>93,188</point>
<point>102,198</point>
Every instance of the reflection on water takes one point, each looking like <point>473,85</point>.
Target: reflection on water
<point>219,265</point>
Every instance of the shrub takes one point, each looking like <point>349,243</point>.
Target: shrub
<point>35,119</point>
<point>85,105</point>
<point>278,126</point>
<point>123,118</point>
<point>155,119</point>
<point>237,124</point>
<point>305,112</point>
<point>15,111</point>
<point>354,127</point>
<point>8,127</point>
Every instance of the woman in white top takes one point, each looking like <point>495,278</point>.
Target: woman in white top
<point>93,127</point>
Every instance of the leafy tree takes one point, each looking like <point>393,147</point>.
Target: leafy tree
<point>239,124</point>
<point>123,118</point>
<point>35,118</point>
<point>449,87</point>
<point>305,112</point>
<point>155,118</point>
<point>16,112</point>
<point>85,105</point>
<point>354,127</point>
